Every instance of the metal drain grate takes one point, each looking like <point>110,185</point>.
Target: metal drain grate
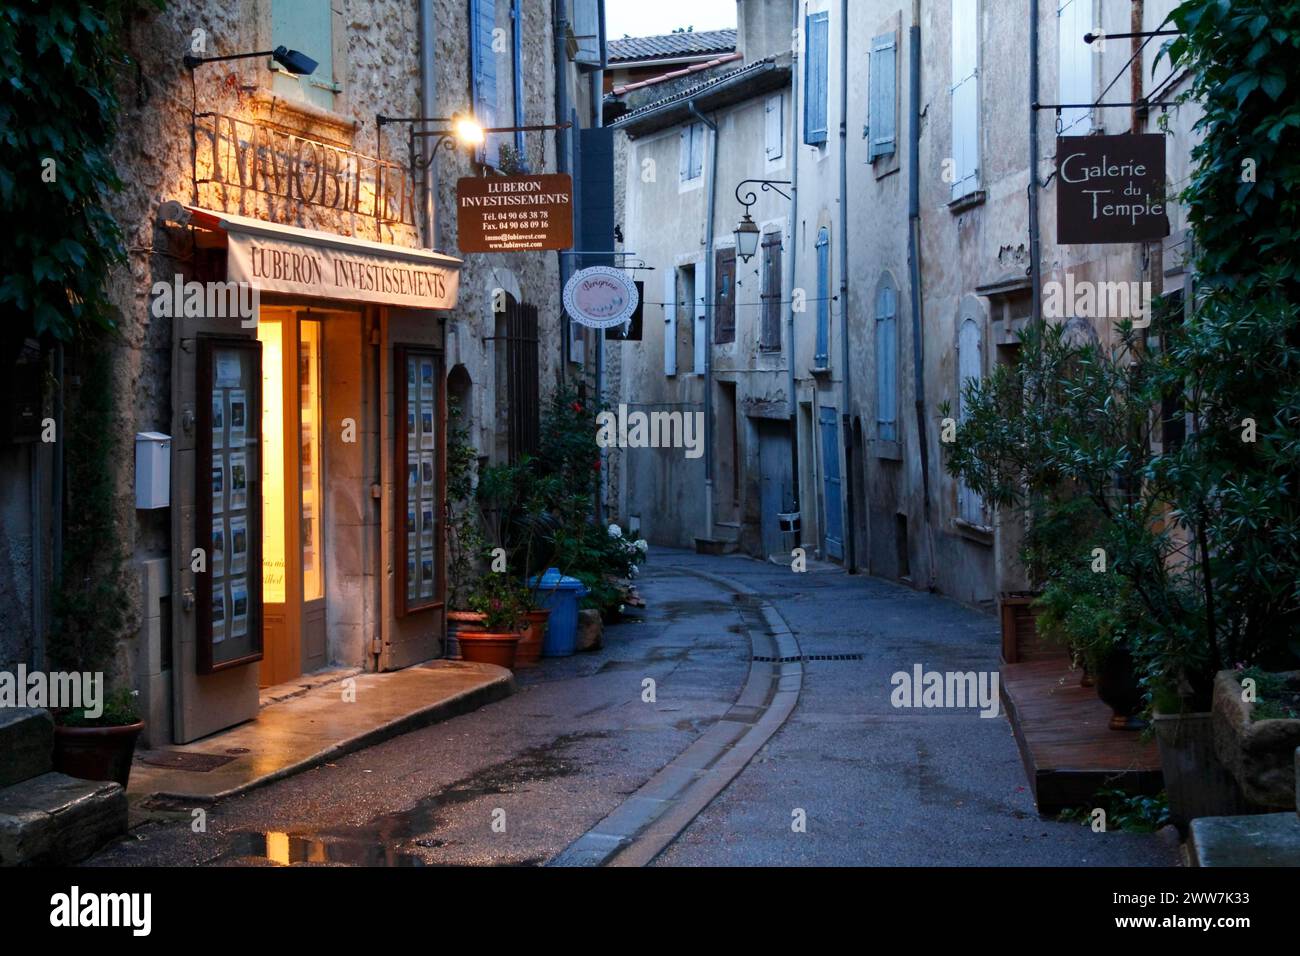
<point>804,658</point>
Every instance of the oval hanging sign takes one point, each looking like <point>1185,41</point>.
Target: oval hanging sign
<point>600,297</point>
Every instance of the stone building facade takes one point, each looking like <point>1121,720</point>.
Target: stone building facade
<point>912,257</point>
<point>240,161</point>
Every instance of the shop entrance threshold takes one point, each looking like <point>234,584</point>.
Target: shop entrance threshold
<point>319,724</point>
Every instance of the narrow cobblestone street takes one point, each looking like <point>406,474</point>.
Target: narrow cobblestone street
<point>878,786</point>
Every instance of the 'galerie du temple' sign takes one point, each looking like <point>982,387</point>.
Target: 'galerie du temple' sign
<point>1110,188</point>
<point>514,213</point>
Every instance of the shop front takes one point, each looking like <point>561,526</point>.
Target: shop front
<point>307,461</point>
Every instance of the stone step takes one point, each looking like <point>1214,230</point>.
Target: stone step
<point>56,820</point>
<point>26,743</point>
<point>1264,839</point>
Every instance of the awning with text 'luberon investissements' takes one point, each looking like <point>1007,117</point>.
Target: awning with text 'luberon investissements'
<point>323,265</point>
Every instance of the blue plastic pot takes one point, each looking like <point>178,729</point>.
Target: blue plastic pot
<point>561,594</point>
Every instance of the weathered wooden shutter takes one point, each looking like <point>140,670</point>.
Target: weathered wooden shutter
<point>970,367</point>
<point>887,363</point>
<point>965,96</point>
<point>724,299</point>
<point>883,96</point>
<point>670,322</point>
<point>774,127</point>
<point>1074,19</point>
<point>769,336</point>
<point>822,356</point>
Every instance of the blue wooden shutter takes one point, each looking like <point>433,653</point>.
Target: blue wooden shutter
<point>517,65</point>
<point>483,67</point>
<point>822,357</point>
<point>586,25</point>
<point>887,364</point>
<point>883,104</point>
<point>697,150</point>
<point>816,72</point>
<point>832,484</point>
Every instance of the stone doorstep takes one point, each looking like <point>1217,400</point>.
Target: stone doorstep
<point>303,684</point>
<point>57,820</point>
<point>1265,839</point>
<point>26,744</point>
<point>306,730</point>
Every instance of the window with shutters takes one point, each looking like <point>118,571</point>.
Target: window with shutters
<point>816,77</point>
<point>724,300</point>
<point>1074,19</point>
<point>306,26</point>
<point>483,76</point>
<point>821,358</point>
<point>769,328</point>
<point>691,155</point>
<point>965,97</point>
<point>970,368</point>
<point>882,99</point>
<point>774,128</point>
<point>887,361</point>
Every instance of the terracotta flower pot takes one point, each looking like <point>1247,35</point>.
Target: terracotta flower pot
<point>96,753</point>
<point>487,647</point>
<point>529,651</point>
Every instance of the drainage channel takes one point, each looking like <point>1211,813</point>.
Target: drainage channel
<point>643,825</point>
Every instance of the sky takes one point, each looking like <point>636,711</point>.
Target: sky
<point>644,18</point>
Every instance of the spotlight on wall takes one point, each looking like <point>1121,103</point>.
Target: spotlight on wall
<point>299,64</point>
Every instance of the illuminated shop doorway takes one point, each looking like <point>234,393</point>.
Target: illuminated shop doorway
<point>293,546</point>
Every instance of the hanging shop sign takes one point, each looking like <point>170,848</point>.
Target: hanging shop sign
<point>514,213</point>
<point>1110,189</point>
<point>600,297</point>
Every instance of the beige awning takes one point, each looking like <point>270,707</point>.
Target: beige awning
<point>323,265</point>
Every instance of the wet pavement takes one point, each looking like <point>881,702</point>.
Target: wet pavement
<point>518,781</point>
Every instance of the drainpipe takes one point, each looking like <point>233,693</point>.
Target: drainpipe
<point>561,28</point>
<point>846,380</point>
<point>914,267</point>
<point>708,322</point>
<point>1035,249</point>
<point>794,275</point>
<point>428,106</point>
<point>597,80</point>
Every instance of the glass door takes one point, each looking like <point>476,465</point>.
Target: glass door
<point>310,433</point>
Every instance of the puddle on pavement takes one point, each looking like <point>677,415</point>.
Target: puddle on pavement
<point>396,839</point>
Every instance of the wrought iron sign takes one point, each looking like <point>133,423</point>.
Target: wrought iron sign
<point>240,154</point>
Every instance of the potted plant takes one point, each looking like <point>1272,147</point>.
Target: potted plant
<point>91,604</point>
<point>100,747</point>
<point>499,599</point>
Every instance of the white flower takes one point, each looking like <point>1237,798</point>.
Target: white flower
<point>641,545</point>
<point>615,531</point>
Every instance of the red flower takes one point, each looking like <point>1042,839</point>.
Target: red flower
<point>596,466</point>
<point>577,407</point>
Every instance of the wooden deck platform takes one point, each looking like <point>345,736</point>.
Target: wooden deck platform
<point>1067,747</point>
